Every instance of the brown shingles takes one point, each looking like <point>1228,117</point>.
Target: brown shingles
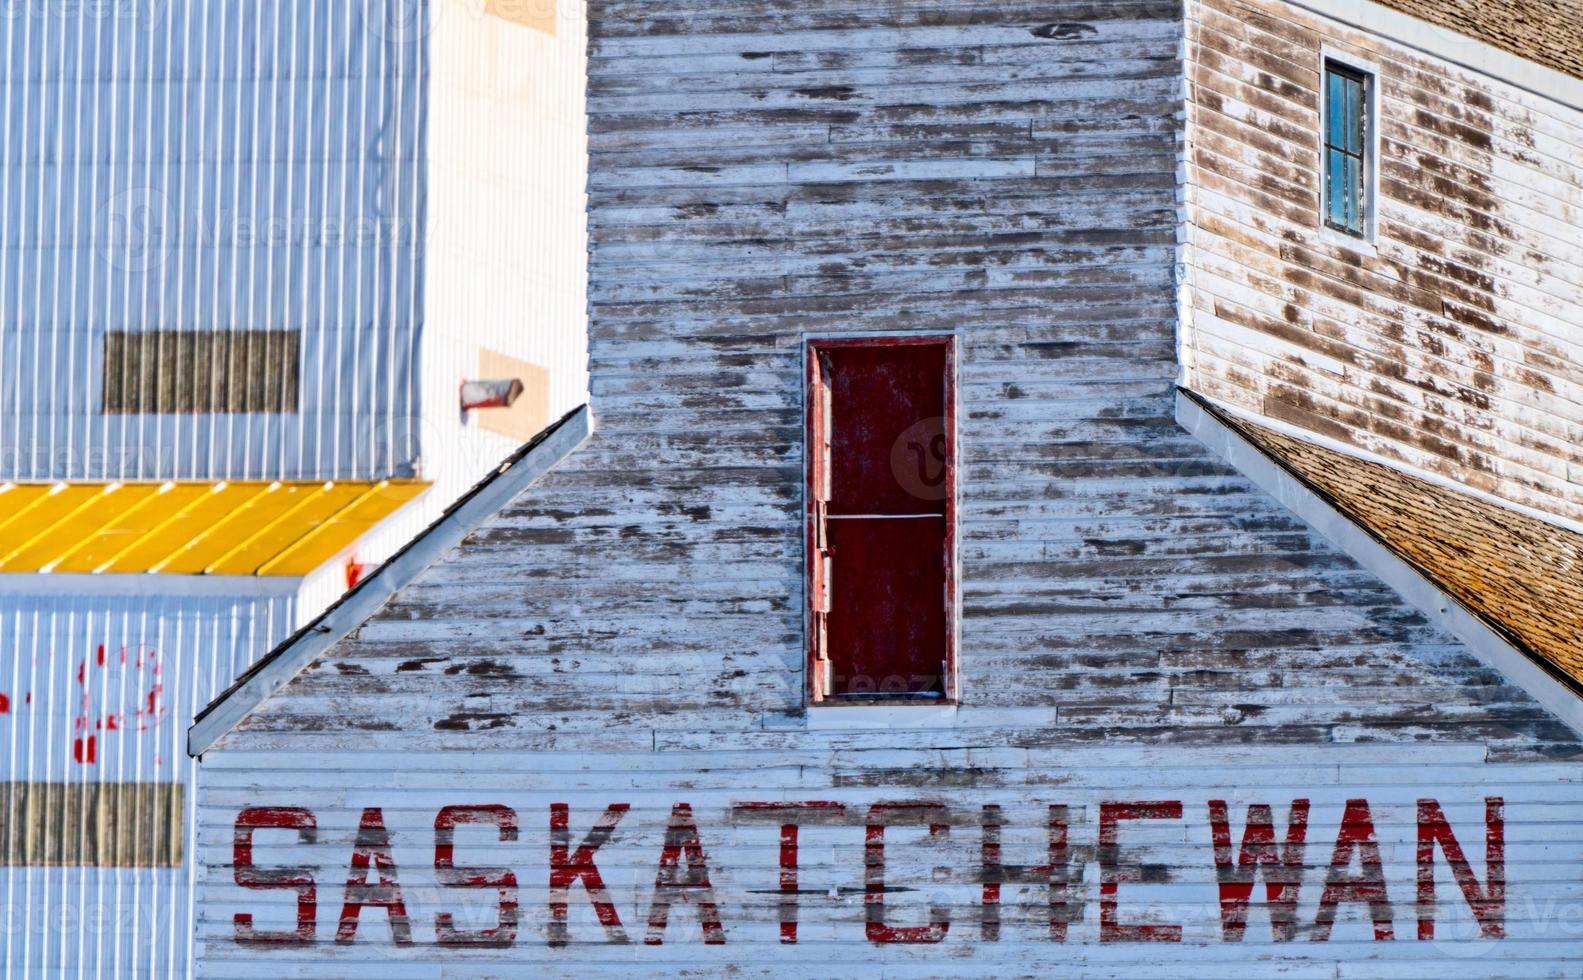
<point>1547,32</point>
<point>1520,574</point>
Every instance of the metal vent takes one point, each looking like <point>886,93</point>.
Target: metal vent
<point>95,825</point>
<point>189,372</point>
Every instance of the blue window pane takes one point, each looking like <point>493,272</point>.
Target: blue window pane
<point>1337,191</point>
<point>1336,126</point>
<point>1354,93</point>
<point>1354,194</point>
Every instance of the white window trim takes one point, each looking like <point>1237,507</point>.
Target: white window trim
<point>1371,147</point>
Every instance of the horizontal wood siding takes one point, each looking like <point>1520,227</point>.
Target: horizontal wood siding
<point>1138,622</point>
<point>1457,348</point>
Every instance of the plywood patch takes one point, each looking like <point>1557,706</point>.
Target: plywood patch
<point>531,413</point>
<point>537,14</point>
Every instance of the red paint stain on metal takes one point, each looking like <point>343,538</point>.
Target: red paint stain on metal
<point>672,884</point>
<point>1112,873</point>
<point>1283,869</point>
<point>1489,903</point>
<point>502,880</point>
<point>298,879</point>
<point>566,871</point>
<point>1367,887</point>
<point>372,849</point>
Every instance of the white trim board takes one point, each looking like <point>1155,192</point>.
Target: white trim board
<point>1419,591</point>
<point>1448,45</point>
<point>461,519</point>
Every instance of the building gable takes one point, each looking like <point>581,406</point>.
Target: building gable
<point>581,737</point>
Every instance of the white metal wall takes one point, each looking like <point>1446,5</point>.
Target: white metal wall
<point>505,258</point>
<point>211,165</point>
<point>73,663</point>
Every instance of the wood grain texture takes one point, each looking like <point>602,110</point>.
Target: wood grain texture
<point>1517,572</point>
<point>1454,346</point>
<point>1138,621</point>
<point>1549,32</point>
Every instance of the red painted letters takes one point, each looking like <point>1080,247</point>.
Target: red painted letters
<point>879,815</point>
<point>1357,832</point>
<point>1056,874</point>
<point>373,849</point>
<point>1283,871</point>
<point>1488,904</point>
<point>299,879</point>
<point>1112,873</point>
<point>566,871</point>
<point>683,874</point>
<point>501,879</point>
<point>790,815</point>
<point>672,884</point>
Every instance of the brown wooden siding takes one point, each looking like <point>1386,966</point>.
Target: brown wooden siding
<point>1456,348</point>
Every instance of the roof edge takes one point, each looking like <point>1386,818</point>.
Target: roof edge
<point>1463,50</point>
<point>480,503</point>
<point>1215,428</point>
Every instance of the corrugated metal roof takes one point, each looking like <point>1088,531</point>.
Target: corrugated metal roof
<point>1521,575</point>
<point>1546,32</point>
<point>259,528</point>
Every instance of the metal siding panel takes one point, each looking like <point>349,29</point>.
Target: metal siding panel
<point>166,172</point>
<point>163,658</point>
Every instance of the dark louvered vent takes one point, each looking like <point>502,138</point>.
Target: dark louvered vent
<point>190,372</point>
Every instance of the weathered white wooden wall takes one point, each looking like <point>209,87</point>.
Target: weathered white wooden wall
<point>1456,346</point>
<point>1139,623</point>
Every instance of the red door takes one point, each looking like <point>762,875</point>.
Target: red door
<point>881,513</point>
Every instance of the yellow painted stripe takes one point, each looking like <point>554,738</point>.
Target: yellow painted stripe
<point>123,532</point>
<point>269,539</point>
<point>33,542</point>
<point>327,540</point>
<point>189,528</point>
<point>103,528</point>
<point>262,507</point>
<point>84,524</point>
<point>17,505</point>
<point>196,517</point>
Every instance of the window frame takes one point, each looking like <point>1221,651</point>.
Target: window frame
<point>813,440</point>
<point>1367,74</point>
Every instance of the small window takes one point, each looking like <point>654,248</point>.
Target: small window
<point>200,371</point>
<point>881,520</point>
<point>1347,163</point>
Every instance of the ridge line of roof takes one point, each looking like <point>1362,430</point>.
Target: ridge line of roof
<point>1490,642</point>
<point>477,505</point>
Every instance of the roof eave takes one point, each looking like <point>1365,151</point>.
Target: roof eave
<point>486,499</point>
<point>1488,644</point>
